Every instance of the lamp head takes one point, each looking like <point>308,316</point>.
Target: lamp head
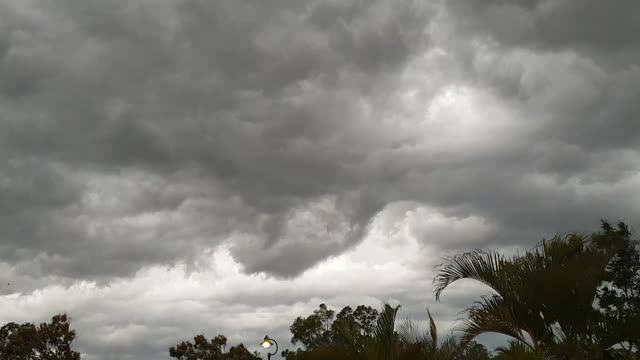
<point>266,342</point>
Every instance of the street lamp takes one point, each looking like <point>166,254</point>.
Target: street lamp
<point>267,342</point>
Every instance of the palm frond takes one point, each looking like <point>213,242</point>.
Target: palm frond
<point>353,343</point>
<point>384,332</point>
<point>410,333</point>
<point>485,267</point>
<point>517,350</point>
<point>491,314</point>
<point>433,331</point>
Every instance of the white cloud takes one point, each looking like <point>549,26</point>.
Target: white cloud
<point>170,304</point>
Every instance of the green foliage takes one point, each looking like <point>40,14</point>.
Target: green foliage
<point>362,321</point>
<point>201,348</point>
<point>544,298</point>
<point>381,344</point>
<point>320,328</point>
<point>214,349</point>
<point>476,351</point>
<point>334,352</point>
<point>240,352</point>
<point>51,341</point>
<point>547,289</point>
<point>517,350</point>
<point>314,330</point>
<point>619,298</point>
<point>408,342</point>
<point>426,345</point>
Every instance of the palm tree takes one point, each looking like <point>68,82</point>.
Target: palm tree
<point>424,345</point>
<point>408,343</point>
<point>538,298</point>
<point>381,345</point>
<point>517,350</point>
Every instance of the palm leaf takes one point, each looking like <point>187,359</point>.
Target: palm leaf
<point>478,265</point>
<point>384,333</point>
<point>491,314</point>
<point>433,331</point>
<point>517,350</point>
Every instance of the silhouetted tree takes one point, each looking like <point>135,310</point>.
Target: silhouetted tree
<point>619,298</point>
<point>362,320</point>
<point>315,329</point>
<point>50,341</point>
<point>240,352</point>
<point>214,349</point>
<point>547,293</point>
<point>200,349</point>
<point>476,351</point>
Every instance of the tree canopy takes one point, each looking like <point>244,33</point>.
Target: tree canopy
<point>214,349</point>
<point>27,341</point>
<point>572,296</point>
<point>619,297</point>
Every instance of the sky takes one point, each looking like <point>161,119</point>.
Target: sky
<point>176,167</point>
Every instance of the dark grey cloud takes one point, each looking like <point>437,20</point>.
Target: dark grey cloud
<point>282,106</point>
<point>575,60</point>
<point>253,97</point>
<point>586,25</point>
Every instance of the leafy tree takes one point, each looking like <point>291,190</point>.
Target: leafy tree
<point>214,349</point>
<point>324,352</point>
<point>383,342</point>
<point>240,352</point>
<point>425,345</point>
<point>290,355</point>
<point>408,343</point>
<point>546,293</point>
<point>362,320</point>
<point>476,351</point>
<point>203,349</point>
<point>619,298</point>
<point>543,299</point>
<point>200,349</point>
<point>318,329</point>
<point>365,318</point>
<point>51,341</point>
<point>314,330</point>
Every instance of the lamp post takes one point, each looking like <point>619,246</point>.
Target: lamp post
<point>267,342</point>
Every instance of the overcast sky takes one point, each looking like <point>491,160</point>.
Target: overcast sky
<point>177,167</point>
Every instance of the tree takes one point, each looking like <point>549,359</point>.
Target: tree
<point>365,318</point>
<point>325,352</point>
<point>619,298</point>
<point>408,343</point>
<point>51,341</point>
<point>539,298</point>
<point>425,345</point>
<point>240,352</point>
<point>214,349</point>
<point>200,349</point>
<point>362,320</point>
<point>517,350</point>
<point>476,351</point>
<point>383,342</point>
<point>314,330</point>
